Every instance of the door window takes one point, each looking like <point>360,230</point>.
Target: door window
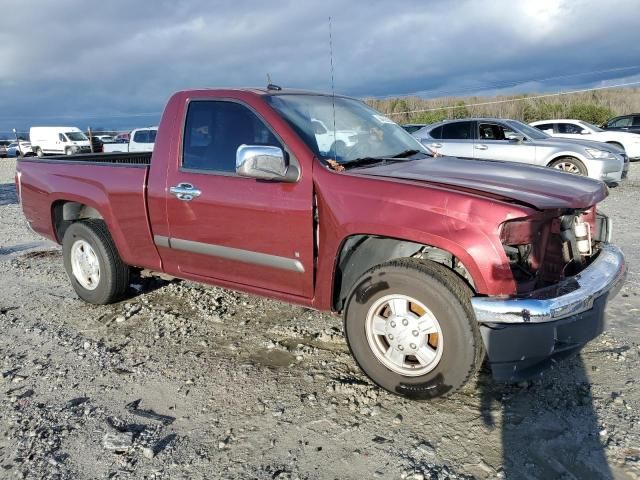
<point>494,131</point>
<point>636,121</point>
<point>457,131</point>
<point>145,136</point>
<point>569,128</point>
<point>215,129</point>
<point>621,122</point>
<point>61,138</point>
<point>545,127</point>
<point>436,133</point>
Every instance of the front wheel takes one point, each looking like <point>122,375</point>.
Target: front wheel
<point>410,326</point>
<point>569,165</point>
<point>97,273</point>
<point>39,152</point>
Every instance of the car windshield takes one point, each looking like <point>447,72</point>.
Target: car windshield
<point>344,129</point>
<point>76,136</point>
<point>530,132</point>
<point>591,126</point>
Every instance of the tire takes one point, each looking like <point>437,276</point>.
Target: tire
<point>39,152</point>
<point>67,151</point>
<point>569,165</point>
<point>91,239</point>
<point>458,351</point>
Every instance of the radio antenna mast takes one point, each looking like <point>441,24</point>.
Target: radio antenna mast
<point>333,91</point>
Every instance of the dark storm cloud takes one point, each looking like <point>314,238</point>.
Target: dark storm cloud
<point>77,62</point>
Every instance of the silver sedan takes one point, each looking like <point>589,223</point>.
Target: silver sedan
<point>514,141</point>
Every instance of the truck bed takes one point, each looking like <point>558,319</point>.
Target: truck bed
<point>138,158</point>
<point>112,184</point>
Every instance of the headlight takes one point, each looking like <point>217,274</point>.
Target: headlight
<point>601,154</point>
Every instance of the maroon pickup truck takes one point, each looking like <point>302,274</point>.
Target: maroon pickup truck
<point>318,200</point>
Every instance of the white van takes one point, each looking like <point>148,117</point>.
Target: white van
<point>58,141</point>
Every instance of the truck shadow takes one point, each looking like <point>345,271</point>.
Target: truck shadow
<point>8,194</point>
<point>549,427</point>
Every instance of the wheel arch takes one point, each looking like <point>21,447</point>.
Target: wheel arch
<point>65,212</point>
<point>360,252</point>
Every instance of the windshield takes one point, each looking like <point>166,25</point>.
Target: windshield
<point>344,129</point>
<point>76,136</point>
<point>591,126</point>
<point>530,132</point>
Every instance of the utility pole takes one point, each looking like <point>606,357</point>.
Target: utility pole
<point>19,150</point>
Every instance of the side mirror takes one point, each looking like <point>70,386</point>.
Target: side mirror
<point>515,137</point>
<point>264,163</point>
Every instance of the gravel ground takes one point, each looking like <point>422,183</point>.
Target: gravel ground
<point>187,381</point>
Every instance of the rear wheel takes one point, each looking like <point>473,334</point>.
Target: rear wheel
<point>569,165</point>
<point>39,152</point>
<point>97,273</point>
<point>410,326</point>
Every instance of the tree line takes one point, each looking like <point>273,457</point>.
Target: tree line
<point>595,106</point>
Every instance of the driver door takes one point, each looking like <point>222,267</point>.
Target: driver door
<point>493,144</point>
<point>235,229</point>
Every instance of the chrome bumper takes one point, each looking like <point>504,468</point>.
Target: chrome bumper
<point>569,297</point>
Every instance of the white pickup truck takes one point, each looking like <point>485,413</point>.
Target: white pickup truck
<point>140,140</point>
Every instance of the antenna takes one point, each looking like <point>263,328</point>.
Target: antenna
<point>333,91</point>
<point>272,86</point>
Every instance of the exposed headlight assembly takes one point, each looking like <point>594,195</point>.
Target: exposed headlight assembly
<point>601,154</point>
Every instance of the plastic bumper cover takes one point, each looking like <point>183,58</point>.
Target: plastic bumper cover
<point>522,335</point>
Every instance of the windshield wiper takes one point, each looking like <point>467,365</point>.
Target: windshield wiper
<point>358,162</point>
<point>406,153</point>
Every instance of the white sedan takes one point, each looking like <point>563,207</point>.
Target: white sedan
<point>627,141</point>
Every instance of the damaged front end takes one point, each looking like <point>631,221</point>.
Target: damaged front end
<point>548,247</point>
<point>565,270</point>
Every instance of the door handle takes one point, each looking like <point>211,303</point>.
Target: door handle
<point>480,147</point>
<point>436,145</point>
<point>185,192</point>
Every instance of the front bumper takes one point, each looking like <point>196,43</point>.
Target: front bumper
<point>523,334</point>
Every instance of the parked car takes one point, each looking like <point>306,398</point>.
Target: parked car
<point>514,141</point>
<point>426,257</point>
<point>122,137</point>
<point>626,141</point>
<point>141,140</point>
<point>18,149</point>
<point>330,141</point>
<point>628,123</point>
<point>414,127</point>
<point>58,140</point>
<point>105,138</point>
<point>3,148</point>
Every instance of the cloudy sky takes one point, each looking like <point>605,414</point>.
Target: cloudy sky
<point>112,62</point>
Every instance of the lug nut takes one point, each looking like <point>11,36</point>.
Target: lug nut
<point>393,324</point>
<point>415,333</point>
<point>405,322</point>
<point>390,337</point>
<point>400,347</point>
<point>413,346</point>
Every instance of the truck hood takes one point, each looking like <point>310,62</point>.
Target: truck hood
<point>540,187</point>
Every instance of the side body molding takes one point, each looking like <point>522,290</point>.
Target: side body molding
<point>229,253</point>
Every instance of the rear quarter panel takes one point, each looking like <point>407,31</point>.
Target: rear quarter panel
<point>116,192</point>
